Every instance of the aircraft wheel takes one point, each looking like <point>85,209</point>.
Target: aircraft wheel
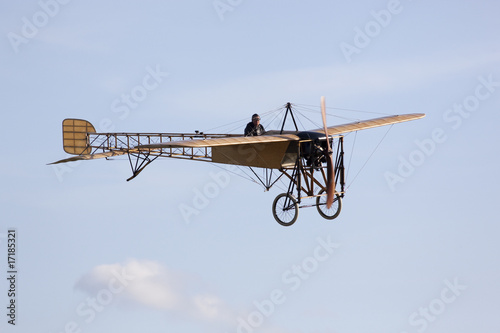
<point>285,209</point>
<point>333,211</point>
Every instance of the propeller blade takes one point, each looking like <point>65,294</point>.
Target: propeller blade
<point>330,169</point>
<point>323,114</point>
<point>330,181</point>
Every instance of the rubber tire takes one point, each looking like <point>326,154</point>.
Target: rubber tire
<point>294,209</point>
<point>337,202</point>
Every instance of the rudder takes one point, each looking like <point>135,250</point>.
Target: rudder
<point>75,136</point>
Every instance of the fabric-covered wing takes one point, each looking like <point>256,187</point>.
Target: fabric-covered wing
<point>371,123</point>
<point>243,140</point>
<point>265,151</point>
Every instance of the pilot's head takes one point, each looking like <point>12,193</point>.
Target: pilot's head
<point>256,119</point>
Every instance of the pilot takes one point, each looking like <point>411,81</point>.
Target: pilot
<point>254,127</point>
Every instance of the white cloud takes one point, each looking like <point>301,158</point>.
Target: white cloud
<point>150,284</point>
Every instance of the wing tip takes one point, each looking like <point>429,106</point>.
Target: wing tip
<point>415,115</point>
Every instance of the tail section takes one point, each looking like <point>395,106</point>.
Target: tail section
<point>75,136</point>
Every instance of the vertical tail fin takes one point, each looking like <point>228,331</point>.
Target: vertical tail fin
<point>75,136</point>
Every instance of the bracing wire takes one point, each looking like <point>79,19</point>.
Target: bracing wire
<point>352,154</point>
<point>343,109</point>
<point>316,111</point>
<point>237,174</point>
<point>275,116</point>
<point>242,121</point>
<point>369,157</point>
<point>299,111</point>
<point>310,120</point>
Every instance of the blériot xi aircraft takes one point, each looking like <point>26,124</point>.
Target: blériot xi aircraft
<point>307,159</point>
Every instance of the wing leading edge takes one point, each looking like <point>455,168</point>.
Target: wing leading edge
<point>201,143</point>
<point>370,123</point>
<point>332,130</point>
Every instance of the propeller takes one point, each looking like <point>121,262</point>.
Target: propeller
<point>330,170</point>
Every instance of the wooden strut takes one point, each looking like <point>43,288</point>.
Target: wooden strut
<point>145,161</point>
<point>304,178</point>
<point>288,109</point>
<point>269,182</point>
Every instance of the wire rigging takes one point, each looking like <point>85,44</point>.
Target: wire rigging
<point>237,174</point>
<point>352,153</point>
<point>241,121</point>
<point>369,157</point>
<point>299,110</point>
<point>344,109</point>
<point>316,111</point>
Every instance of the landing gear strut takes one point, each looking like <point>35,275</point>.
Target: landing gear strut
<point>309,181</point>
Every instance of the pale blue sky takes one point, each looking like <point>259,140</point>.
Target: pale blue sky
<point>415,248</point>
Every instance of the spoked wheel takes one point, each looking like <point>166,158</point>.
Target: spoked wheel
<point>285,209</point>
<point>333,211</point>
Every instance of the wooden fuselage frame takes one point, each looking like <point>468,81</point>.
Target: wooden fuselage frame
<point>285,156</point>
<point>274,150</point>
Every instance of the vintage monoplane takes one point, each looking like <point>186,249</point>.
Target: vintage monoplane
<point>305,158</point>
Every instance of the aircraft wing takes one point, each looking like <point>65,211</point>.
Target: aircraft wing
<point>370,123</point>
<point>268,151</point>
<point>240,140</point>
<point>265,151</point>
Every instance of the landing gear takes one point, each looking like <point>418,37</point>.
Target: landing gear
<point>313,171</point>
<point>285,209</point>
<point>308,179</point>
<point>333,211</point>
